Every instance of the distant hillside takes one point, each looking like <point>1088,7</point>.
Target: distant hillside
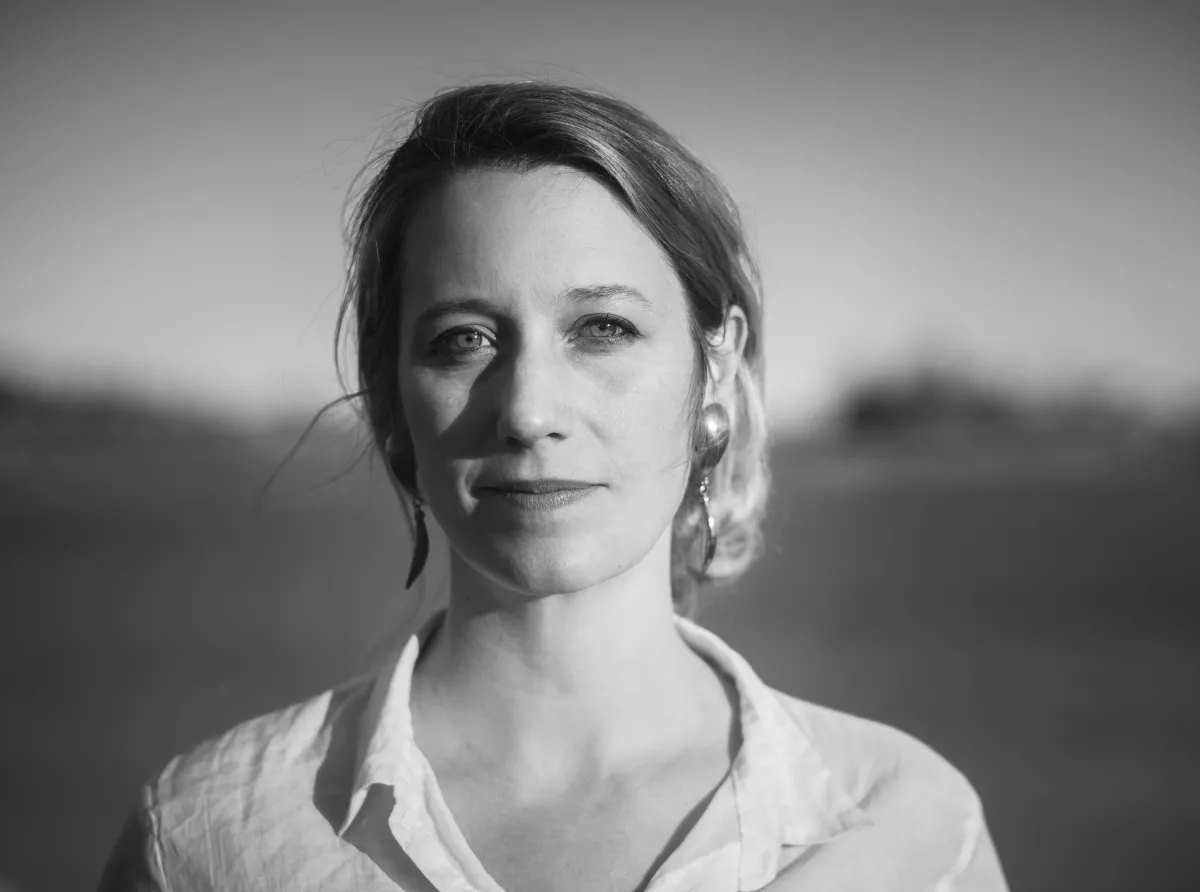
<point>936,397</point>
<point>27,408</point>
<point>935,404</point>
<point>40,416</point>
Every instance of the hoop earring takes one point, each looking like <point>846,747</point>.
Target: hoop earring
<point>716,441</point>
<point>421,546</point>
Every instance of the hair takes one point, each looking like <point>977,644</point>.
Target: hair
<point>524,126</point>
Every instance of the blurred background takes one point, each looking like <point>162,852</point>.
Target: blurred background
<point>979,226</point>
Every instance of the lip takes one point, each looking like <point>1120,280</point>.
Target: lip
<point>538,495</point>
<point>539,486</point>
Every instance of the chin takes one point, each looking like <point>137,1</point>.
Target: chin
<point>542,575</point>
<point>540,569</point>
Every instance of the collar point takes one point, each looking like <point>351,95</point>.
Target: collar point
<point>808,834</point>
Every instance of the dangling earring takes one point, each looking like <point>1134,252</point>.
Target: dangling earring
<point>421,534</point>
<point>716,439</point>
<point>421,546</point>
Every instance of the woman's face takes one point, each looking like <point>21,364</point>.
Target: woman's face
<point>544,335</point>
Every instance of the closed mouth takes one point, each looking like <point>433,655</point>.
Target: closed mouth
<point>539,487</point>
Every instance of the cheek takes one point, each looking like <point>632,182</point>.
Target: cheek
<point>430,405</point>
<point>646,421</point>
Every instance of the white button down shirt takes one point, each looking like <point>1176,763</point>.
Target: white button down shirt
<point>334,794</point>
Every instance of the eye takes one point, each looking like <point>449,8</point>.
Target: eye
<point>608,328</point>
<point>461,341</point>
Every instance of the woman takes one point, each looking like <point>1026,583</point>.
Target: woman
<point>558,334</point>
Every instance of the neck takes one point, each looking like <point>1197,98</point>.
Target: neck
<point>600,677</point>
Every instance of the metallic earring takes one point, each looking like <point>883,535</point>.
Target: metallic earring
<point>716,440</point>
<point>421,546</point>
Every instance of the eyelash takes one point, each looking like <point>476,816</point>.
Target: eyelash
<point>440,346</point>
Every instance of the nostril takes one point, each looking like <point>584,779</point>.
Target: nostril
<point>527,423</point>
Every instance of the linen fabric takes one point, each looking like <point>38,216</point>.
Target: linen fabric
<point>334,794</point>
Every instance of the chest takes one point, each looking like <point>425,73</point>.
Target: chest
<point>608,840</point>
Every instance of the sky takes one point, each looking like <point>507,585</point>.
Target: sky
<point>1011,185</point>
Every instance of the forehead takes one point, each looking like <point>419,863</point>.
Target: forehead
<point>503,234</point>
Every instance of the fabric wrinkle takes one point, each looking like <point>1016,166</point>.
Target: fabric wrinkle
<point>839,798</point>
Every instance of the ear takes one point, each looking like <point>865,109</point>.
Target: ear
<point>727,346</point>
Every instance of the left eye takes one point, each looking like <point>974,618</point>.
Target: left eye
<point>605,329</point>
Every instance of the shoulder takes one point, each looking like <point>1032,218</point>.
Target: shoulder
<point>276,779</point>
<point>263,755</point>
<point>921,820</point>
<point>877,763</point>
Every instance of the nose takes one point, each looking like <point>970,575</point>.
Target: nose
<point>533,402</point>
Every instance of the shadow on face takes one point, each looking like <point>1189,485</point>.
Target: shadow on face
<point>544,338</point>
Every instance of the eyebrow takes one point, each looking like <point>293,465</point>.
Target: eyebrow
<point>585,293</point>
<point>578,294</point>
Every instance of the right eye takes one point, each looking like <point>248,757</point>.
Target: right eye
<point>461,341</point>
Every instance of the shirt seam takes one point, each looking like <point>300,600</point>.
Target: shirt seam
<point>967,853</point>
<point>156,838</point>
<point>741,819</point>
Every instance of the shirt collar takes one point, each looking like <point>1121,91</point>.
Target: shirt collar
<point>787,795</point>
<point>786,792</point>
<point>387,751</point>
